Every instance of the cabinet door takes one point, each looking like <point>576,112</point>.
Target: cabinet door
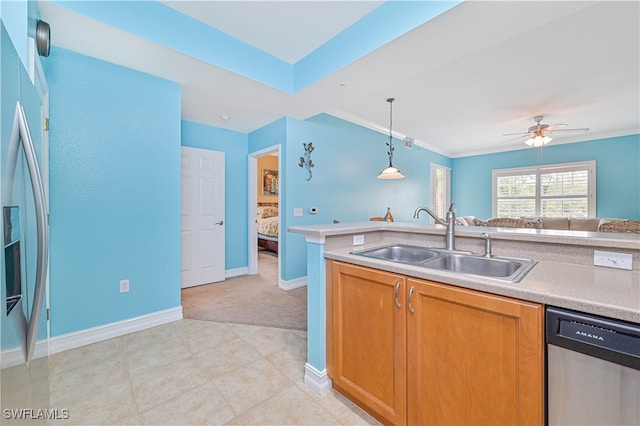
<point>367,330</point>
<point>473,358</point>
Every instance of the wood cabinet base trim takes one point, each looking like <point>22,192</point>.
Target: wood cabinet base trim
<point>360,403</point>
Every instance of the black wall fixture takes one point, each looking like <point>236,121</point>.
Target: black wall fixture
<point>306,160</point>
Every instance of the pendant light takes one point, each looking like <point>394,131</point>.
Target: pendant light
<point>390,172</point>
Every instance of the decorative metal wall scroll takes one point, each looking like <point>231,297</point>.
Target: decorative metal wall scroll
<point>306,160</point>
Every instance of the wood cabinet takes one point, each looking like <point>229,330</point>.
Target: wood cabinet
<point>446,355</point>
<point>473,358</point>
<point>366,339</point>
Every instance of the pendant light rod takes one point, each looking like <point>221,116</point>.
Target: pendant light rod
<point>390,172</point>
<point>390,100</point>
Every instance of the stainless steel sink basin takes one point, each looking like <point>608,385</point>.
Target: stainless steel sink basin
<point>502,268</point>
<point>400,253</point>
<point>494,267</point>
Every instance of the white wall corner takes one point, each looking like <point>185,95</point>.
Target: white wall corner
<point>237,272</point>
<point>292,284</point>
<point>115,329</point>
<point>317,381</point>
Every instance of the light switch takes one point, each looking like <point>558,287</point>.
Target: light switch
<point>297,211</point>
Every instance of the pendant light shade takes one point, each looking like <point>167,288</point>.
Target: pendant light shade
<point>390,172</point>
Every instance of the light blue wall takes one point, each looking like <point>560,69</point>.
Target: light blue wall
<point>344,185</point>
<point>269,135</point>
<point>316,307</point>
<point>114,192</point>
<point>234,145</point>
<point>347,160</point>
<point>14,15</point>
<point>617,174</point>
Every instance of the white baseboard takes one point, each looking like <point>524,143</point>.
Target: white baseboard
<point>115,329</point>
<point>285,285</point>
<point>318,381</point>
<point>16,356</point>
<point>291,284</point>
<point>230,273</point>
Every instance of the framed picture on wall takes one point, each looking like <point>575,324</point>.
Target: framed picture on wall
<point>270,183</point>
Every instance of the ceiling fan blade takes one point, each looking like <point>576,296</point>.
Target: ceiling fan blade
<point>519,133</point>
<point>510,141</point>
<point>555,125</point>
<point>583,129</point>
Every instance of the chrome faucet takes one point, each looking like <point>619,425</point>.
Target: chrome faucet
<point>450,223</point>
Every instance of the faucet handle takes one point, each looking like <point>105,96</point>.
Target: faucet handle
<point>451,206</point>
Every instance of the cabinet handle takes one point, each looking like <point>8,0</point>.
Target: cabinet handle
<point>398,305</point>
<point>411,290</point>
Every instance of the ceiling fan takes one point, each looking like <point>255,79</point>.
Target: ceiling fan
<point>538,134</point>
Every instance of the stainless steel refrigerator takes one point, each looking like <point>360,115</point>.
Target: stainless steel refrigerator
<point>24,228</point>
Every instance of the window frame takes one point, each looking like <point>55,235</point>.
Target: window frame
<point>589,166</point>
<point>433,190</point>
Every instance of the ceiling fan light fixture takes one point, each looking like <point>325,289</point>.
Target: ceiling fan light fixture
<point>538,140</point>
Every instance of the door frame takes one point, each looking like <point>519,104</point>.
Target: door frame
<point>253,207</point>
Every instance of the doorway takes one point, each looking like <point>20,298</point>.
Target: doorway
<point>265,242</point>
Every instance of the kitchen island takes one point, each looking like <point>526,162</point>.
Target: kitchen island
<point>564,275</point>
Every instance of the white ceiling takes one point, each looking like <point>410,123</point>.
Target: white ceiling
<point>461,80</point>
<point>288,30</point>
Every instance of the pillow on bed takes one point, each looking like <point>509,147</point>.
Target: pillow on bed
<point>267,211</point>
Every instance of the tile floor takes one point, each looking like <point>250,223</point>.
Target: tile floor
<point>195,372</point>
<point>186,372</point>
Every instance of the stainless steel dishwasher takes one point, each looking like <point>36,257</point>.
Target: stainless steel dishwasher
<point>593,369</point>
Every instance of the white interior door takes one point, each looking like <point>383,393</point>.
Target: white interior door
<point>203,236</point>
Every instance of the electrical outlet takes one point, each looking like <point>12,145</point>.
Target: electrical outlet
<point>124,286</point>
<point>358,240</point>
<point>612,259</point>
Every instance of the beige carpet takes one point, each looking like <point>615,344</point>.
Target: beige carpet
<point>251,299</point>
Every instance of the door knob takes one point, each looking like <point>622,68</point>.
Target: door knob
<point>219,223</point>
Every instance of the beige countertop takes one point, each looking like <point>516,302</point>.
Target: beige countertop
<point>602,291</point>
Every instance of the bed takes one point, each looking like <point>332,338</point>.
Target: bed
<point>267,221</point>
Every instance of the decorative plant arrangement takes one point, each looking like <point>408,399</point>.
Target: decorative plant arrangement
<point>306,160</point>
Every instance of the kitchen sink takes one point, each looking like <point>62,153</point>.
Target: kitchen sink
<point>492,267</point>
<point>401,253</point>
<point>497,267</point>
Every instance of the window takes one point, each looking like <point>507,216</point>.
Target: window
<point>558,190</point>
<point>440,189</point>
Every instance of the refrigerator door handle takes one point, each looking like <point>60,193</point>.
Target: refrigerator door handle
<point>20,133</point>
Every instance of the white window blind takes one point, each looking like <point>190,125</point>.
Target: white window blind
<point>559,190</point>
<point>440,189</point>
